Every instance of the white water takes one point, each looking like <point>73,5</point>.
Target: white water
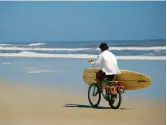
<point>36,44</point>
<point>80,49</point>
<point>79,56</point>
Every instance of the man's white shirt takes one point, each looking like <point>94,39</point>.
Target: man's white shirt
<point>109,63</point>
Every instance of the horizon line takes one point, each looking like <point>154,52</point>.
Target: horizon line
<point>86,40</point>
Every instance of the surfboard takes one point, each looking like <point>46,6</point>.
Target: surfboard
<point>130,80</point>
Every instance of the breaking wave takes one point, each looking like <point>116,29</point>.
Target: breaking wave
<point>79,56</point>
<point>80,49</point>
<point>36,44</point>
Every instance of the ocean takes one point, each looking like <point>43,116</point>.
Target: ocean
<point>144,49</point>
<point>62,63</point>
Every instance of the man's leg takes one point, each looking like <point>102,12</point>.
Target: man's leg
<point>100,85</point>
<point>99,77</point>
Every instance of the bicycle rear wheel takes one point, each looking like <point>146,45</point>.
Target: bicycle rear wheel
<point>114,99</point>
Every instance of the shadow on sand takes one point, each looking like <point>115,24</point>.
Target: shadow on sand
<point>88,106</point>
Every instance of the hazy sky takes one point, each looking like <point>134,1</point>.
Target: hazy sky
<point>80,21</point>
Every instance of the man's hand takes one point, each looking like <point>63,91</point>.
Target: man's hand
<point>90,60</point>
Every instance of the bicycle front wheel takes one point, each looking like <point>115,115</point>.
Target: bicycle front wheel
<point>94,95</point>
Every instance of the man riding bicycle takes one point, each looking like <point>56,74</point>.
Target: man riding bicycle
<point>109,65</point>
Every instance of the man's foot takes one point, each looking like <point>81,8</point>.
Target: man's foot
<point>122,90</point>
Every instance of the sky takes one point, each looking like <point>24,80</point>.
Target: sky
<point>81,21</point>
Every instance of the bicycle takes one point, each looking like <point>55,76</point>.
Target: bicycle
<point>113,90</point>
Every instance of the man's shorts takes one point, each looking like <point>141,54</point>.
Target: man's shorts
<point>101,75</point>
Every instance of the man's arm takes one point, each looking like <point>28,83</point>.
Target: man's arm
<point>98,62</point>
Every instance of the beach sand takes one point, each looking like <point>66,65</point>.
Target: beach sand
<point>45,104</point>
